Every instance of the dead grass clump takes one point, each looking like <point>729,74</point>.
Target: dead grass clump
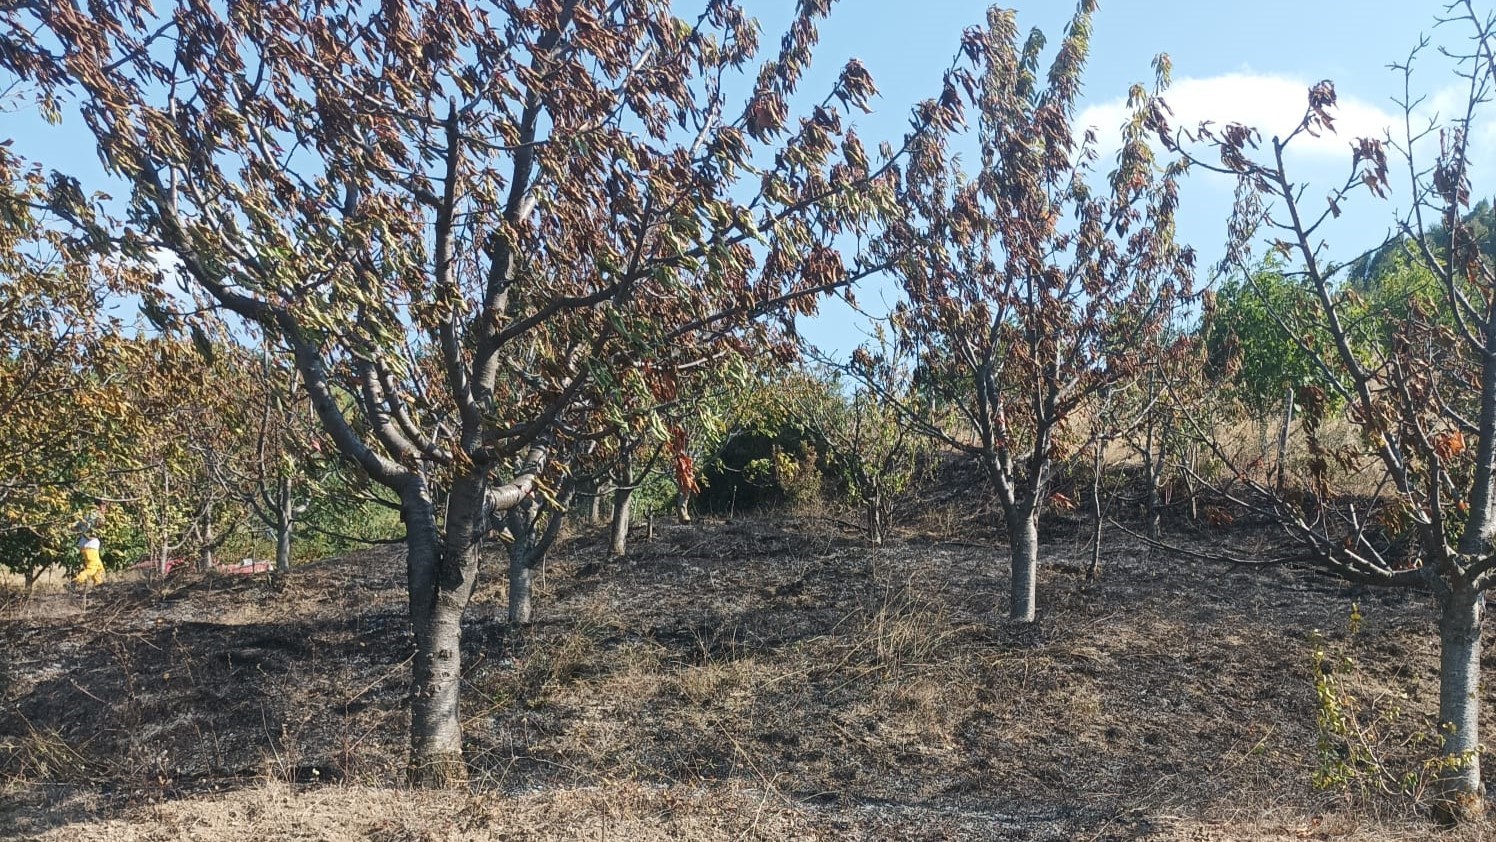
<point>44,754</point>
<point>902,629</point>
<point>727,684</point>
<point>923,711</point>
<point>543,664</point>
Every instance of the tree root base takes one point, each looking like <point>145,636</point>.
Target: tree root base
<point>439,770</point>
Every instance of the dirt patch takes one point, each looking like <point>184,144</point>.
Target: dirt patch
<point>769,679</point>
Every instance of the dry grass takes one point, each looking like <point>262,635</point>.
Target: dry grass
<point>756,679</point>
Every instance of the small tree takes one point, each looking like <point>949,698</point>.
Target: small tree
<point>185,431</point>
<point>1027,291</point>
<point>282,461</point>
<point>866,446</point>
<point>1409,500</point>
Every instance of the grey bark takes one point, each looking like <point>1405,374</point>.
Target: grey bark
<point>618,534</point>
<point>602,502</point>
<point>205,552</point>
<point>1481,526</point>
<point>1097,466</point>
<point>441,577</point>
<point>522,560</point>
<point>1461,618</point>
<point>285,524</point>
<point>1283,438</point>
<point>521,586</point>
<point>33,575</point>
<point>1155,460</point>
<point>875,527</point>
<point>162,555</point>
<point>529,545</point>
<point>1023,538</point>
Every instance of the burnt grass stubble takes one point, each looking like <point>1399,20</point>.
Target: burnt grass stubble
<point>869,691</point>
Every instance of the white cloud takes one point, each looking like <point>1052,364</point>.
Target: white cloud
<point>1272,104</point>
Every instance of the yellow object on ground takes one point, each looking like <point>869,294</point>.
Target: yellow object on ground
<point>93,567</point>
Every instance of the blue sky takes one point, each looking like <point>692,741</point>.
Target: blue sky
<point>1249,62</point>
<point>1232,61</point>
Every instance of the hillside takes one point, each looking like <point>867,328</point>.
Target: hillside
<point>759,678</point>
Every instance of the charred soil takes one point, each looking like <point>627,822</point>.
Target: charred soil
<point>769,677</point>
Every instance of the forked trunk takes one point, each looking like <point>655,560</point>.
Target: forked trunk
<point>1462,614</point>
<point>1023,537</point>
<point>521,521</point>
<point>441,576</point>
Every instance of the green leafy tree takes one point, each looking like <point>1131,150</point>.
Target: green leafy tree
<point>64,368</point>
<point>1258,343</point>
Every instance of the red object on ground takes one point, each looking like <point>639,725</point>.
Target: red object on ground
<point>247,567</point>
<point>148,565</point>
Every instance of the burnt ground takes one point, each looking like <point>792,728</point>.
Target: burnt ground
<point>770,677</point>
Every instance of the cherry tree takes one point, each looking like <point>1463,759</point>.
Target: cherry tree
<point>1030,289</point>
<point>463,222</point>
<point>1408,500</point>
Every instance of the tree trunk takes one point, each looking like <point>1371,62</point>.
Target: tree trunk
<point>521,523</point>
<point>1461,616</point>
<point>600,514</point>
<point>205,552</point>
<point>165,501</point>
<point>1283,439</point>
<point>683,505</point>
<point>591,491</point>
<point>283,547</point>
<point>1023,538</point>
<point>618,537</point>
<point>284,524</point>
<point>872,495</point>
<point>1192,456</point>
<point>441,576</point>
<point>521,578</point>
<point>1157,470</point>
<point>1097,466</point>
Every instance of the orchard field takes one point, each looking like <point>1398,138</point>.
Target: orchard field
<point>557,419</point>
<point>760,678</point>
